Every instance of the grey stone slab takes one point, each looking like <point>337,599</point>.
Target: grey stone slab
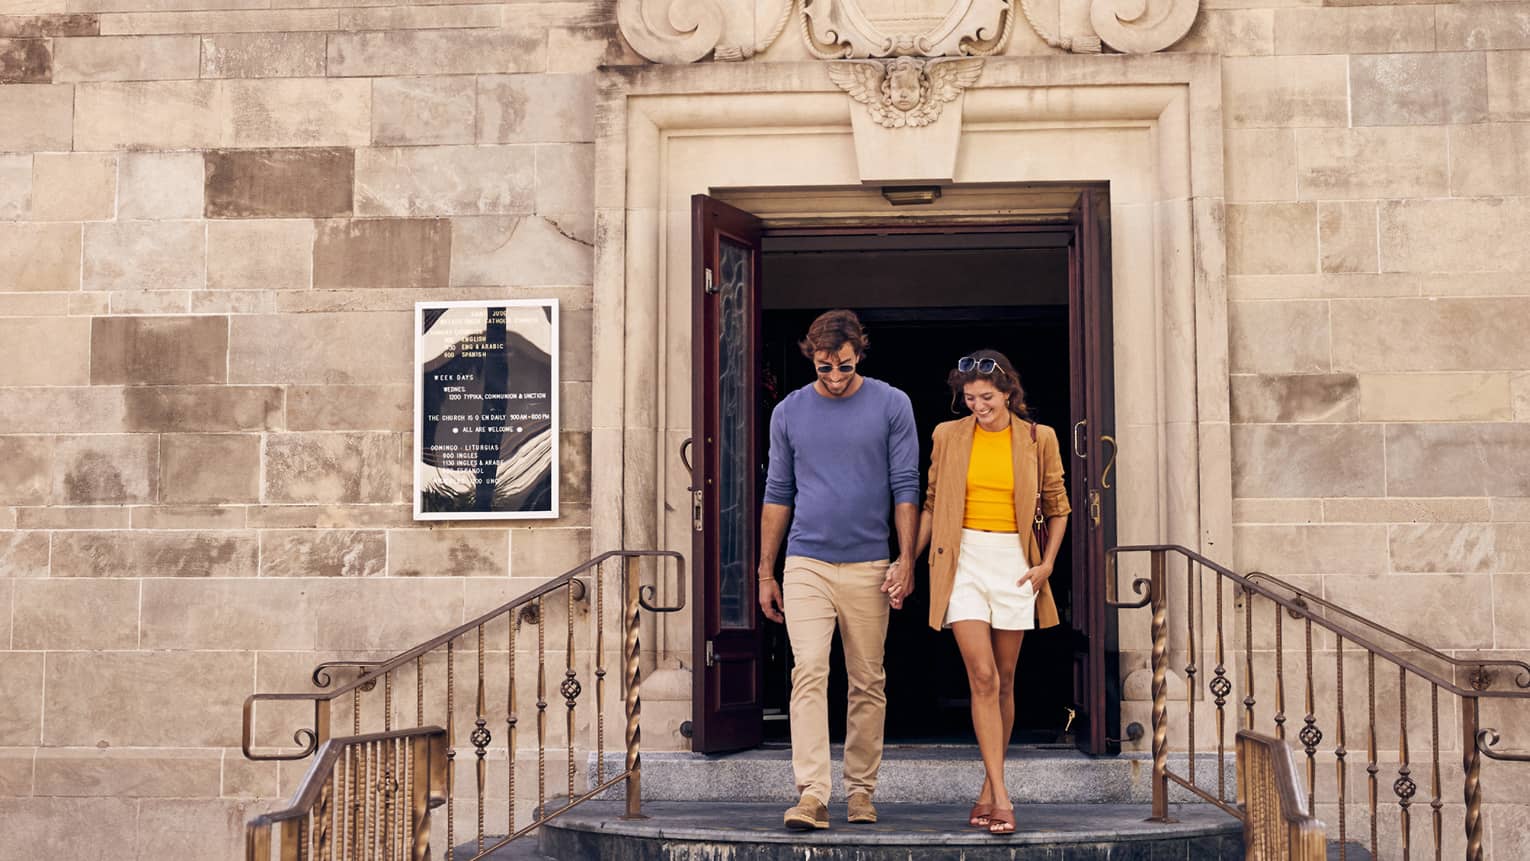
<point>916,773</point>
<point>740,831</point>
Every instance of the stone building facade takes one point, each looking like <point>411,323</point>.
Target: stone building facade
<point>216,215</point>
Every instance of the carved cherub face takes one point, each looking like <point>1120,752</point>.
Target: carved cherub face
<point>904,84</point>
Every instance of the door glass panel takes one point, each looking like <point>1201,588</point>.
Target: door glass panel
<point>735,508</point>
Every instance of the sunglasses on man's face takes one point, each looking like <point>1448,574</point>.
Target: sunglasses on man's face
<point>967,364</point>
<point>844,368</point>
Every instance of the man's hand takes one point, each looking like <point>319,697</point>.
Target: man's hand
<point>1037,577</point>
<point>899,582</point>
<point>770,600</point>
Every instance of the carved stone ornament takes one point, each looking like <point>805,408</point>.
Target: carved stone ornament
<point>1127,26</point>
<point>906,91</point>
<point>684,31</point>
<point>856,29</point>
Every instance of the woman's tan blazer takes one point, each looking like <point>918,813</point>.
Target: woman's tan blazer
<point>946,498</point>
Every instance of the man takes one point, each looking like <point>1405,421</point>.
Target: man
<point>843,451</point>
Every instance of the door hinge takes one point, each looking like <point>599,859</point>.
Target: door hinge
<point>707,280</point>
<point>696,510</point>
<point>711,661</point>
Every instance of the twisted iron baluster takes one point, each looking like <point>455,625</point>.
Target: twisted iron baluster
<point>634,679</point>
<point>1160,629</point>
<point>1471,768</point>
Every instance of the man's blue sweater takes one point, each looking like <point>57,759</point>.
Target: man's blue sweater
<point>841,464</point>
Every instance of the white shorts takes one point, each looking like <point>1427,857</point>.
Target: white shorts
<point>987,569</point>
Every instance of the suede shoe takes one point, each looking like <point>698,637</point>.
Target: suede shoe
<point>860,810</point>
<point>810,813</point>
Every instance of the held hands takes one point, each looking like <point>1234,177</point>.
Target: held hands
<point>770,599</point>
<point>1036,577</point>
<point>899,583</point>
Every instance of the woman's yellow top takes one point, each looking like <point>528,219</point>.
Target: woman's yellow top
<point>991,482</point>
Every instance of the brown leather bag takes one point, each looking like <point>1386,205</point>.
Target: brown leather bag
<point>1039,522</point>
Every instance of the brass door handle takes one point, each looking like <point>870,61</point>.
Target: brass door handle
<point>1105,473</point>
<point>698,503</point>
<point>1079,450</point>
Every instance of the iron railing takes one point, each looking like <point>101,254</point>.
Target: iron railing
<point>349,806</point>
<point>1277,820</point>
<point>1261,593</point>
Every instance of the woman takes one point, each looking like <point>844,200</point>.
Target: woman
<point>991,475</point>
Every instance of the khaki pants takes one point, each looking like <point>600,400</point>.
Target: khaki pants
<point>817,595</point>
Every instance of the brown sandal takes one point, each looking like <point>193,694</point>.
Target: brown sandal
<point>1001,821</point>
<point>978,817</point>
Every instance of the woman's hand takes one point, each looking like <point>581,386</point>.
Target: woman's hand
<point>898,583</point>
<point>1036,577</point>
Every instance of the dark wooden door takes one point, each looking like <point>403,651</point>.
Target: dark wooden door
<point>727,707</point>
<point>1095,662</point>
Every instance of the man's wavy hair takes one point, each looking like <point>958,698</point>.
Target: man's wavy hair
<point>832,330</point>
<point>1004,378</point>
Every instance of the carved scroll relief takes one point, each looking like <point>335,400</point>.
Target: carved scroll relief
<point>845,29</point>
<point>684,31</point>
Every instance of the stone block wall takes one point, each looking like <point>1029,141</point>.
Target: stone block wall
<point>215,218</point>
<point>1379,292</point>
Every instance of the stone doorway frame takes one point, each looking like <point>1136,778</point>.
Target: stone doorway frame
<point>777,139</point>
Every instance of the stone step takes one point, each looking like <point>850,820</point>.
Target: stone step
<point>734,831</point>
<point>919,774</point>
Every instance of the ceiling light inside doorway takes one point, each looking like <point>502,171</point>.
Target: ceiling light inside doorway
<point>911,195</point>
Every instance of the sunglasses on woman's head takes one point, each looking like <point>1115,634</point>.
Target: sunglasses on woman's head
<point>967,364</point>
<point>843,369</point>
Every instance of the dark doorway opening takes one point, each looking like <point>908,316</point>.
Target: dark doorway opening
<point>926,300</point>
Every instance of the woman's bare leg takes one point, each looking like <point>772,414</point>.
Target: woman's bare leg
<point>976,644</point>
<point>1006,654</point>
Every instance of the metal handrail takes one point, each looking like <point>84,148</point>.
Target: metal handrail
<point>1303,612</point>
<point>311,738</point>
<point>350,796</point>
<point>1522,680</point>
<point>1477,742</point>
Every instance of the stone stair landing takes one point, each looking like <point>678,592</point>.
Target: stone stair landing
<point>931,774</point>
<point>722,831</point>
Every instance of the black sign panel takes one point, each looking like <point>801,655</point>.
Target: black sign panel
<point>486,409</point>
